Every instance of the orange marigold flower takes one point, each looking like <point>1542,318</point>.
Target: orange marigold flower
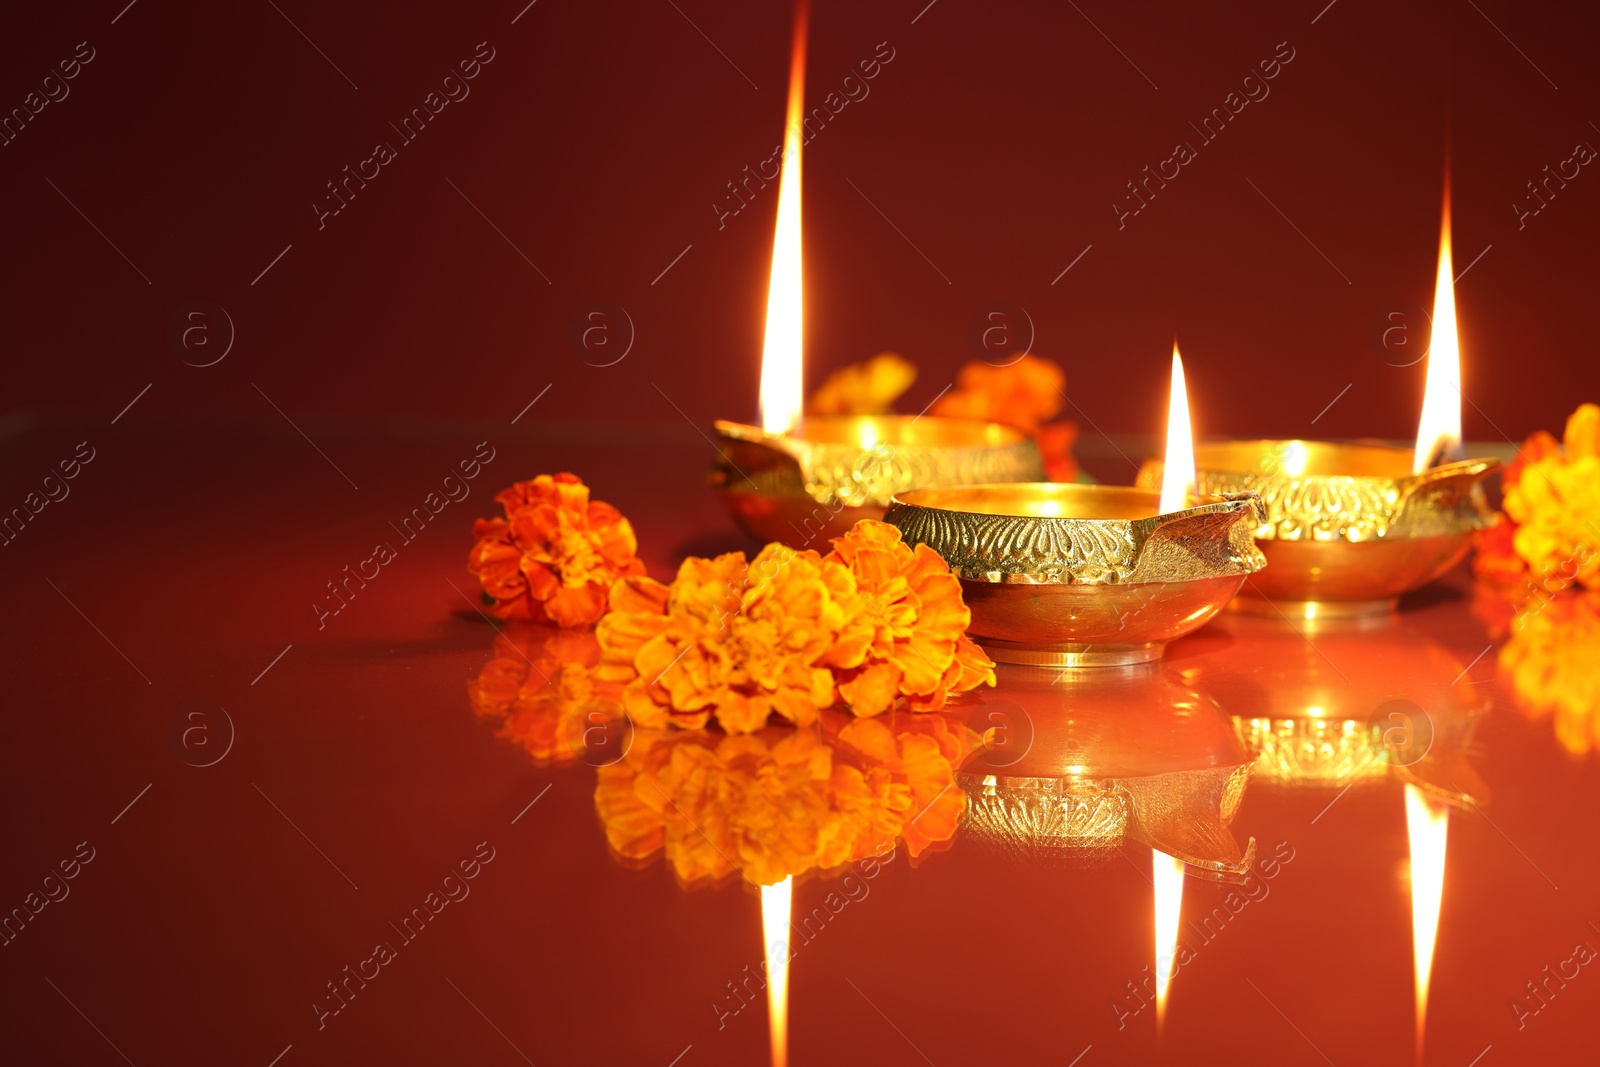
<point>867,388</point>
<point>1552,512</point>
<point>542,687</point>
<point>919,647</point>
<point>735,640</point>
<point>555,554</point>
<point>1026,394</point>
<point>1055,443</point>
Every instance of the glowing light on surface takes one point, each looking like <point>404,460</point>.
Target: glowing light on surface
<point>1427,826</point>
<point>776,904</point>
<point>782,362</point>
<point>1168,879</point>
<point>1177,477</point>
<point>1295,458</point>
<point>1439,429</point>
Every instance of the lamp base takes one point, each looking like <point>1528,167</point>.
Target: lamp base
<point>1251,603</point>
<point>1070,655</point>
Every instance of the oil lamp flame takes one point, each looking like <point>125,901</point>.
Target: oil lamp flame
<point>782,364</point>
<point>1177,480</point>
<point>1427,826</point>
<point>1168,880</point>
<point>776,903</point>
<point>1439,430</point>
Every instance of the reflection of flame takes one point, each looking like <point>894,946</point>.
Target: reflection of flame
<point>782,368</point>
<point>776,901</point>
<point>1168,880</point>
<point>1440,427</point>
<point>1427,824</point>
<point>1177,479</point>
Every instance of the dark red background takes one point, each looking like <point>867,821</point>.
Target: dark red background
<point>598,138</point>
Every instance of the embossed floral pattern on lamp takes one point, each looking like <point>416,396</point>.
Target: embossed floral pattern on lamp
<point>803,481</point>
<point>1088,575</point>
<point>1350,527</point>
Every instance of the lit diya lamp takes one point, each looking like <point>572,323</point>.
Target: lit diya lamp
<point>1350,527</point>
<point>1073,575</point>
<point>805,479</point>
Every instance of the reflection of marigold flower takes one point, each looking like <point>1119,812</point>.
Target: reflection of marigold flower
<point>555,554</point>
<point>1552,665</point>
<point>780,802</point>
<point>739,641</point>
<point>919,645</point>
<point>1551,526</point>
<point>1025,394</point>
<point>867,388</point>
<point>542,687</point>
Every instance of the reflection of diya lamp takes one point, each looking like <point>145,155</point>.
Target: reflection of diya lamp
<point>1076,763</point>
<point>1086,575</point>
<point>803,481</point>
<point>813,482</point>
<point>1354,702</point>
<point>1350,527</point>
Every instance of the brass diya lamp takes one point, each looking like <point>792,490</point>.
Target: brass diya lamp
<point>1351,527</point>
<point>813,482</point>
<point>1347,528</point>
<point>1072,575</point>
<point>1075,763</point>
<point>804,480</point>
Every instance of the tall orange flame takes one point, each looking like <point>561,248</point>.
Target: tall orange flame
<point>782,359</point>
<point>1177,479</point>
<point>776,904</point>
<point>1427,826</point>
<point>1168,879</point>
<point>1439,429</point>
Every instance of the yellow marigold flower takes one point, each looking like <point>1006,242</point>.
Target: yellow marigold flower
<point>867,388</point>
<point>555,554</point>
<point>1554,502</point>
<point>1553,667</point>
<point>919,647</point>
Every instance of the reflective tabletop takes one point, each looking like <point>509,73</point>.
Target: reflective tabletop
<point>260,811</point>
